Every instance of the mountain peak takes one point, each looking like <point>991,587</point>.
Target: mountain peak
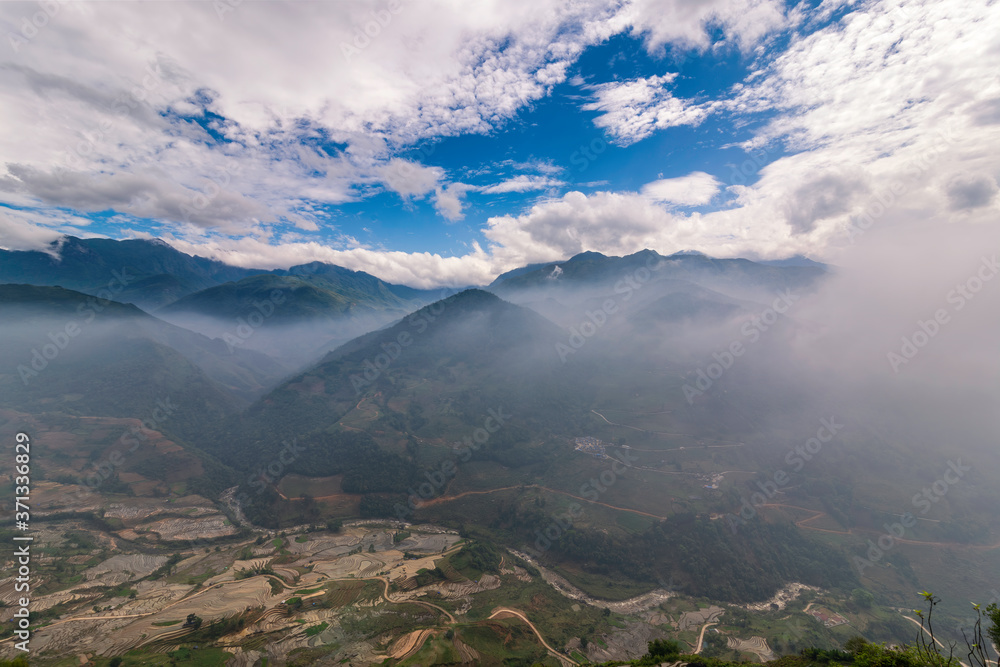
<point>688,253</point>
<point>588,255</point>
<point>473,297</point>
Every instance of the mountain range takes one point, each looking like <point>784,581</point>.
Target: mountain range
<point>660,394</point>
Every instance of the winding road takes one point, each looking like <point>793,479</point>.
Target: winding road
<point>556,654</point>
<point>701,637</point>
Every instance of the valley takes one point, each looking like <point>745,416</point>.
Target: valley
<point>450,485</point>
<point>351,593</point>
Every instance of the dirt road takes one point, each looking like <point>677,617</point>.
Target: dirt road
<point>701,637</point>
<point>556,654</point>
<point>448,499</point>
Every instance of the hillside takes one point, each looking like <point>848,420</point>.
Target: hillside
<point>65,351</point>
<point>296,317</point>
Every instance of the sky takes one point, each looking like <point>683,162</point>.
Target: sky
<point>435,143</point>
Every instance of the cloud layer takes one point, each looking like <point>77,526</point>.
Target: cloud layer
<point>227,131</point>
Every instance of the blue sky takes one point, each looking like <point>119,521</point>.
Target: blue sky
<point>447,146</point>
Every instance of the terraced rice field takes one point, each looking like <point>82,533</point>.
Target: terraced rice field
<point>452,590</point>
<point>409,644</point>
<point>356,565</point>
<point>124,567</point>
<point>756,645</point>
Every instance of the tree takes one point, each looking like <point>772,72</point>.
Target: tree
<point>862,598</point>
<point>855,644</point>
<point>663,648</point>
<point>193,621</point>
<point>977,644</point>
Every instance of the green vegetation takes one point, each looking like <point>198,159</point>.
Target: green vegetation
<point>476,559</point>
<point>858,652</point>
<point>167,568</point>
<point>316,629</point>
<point>254,571</point>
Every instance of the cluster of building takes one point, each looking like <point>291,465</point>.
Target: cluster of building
<point>827,618</point>
<point>591,446</point>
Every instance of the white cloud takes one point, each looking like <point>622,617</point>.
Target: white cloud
<point>417,269</point>
<point>898,95</point>
<point>546,167</point>
<point>448,201</point>
<point>632,110</point>
<point>695,189</point>
<point>560,228</point>
<point>881,108</point>
<point>23,229</point>
<point>683,22</point>
<point>409,179</point>
<point>110,79</point>
<point>522,183</point>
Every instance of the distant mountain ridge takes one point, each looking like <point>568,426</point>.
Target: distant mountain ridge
<point>731,276</point>
<point>155,274</point>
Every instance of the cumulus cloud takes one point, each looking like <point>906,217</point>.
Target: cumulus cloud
<point>409,179</point>
<point>684,22</point>
<point>695,189</point>
<point>967,191</point>
<point>144,195</point>
<point>894,102</point>
<point>417,269</point>
<point>822,196</point>
<point>632,110</point>
<point>448,201</point>
<point>560,228</point>
<point>24,229</point>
